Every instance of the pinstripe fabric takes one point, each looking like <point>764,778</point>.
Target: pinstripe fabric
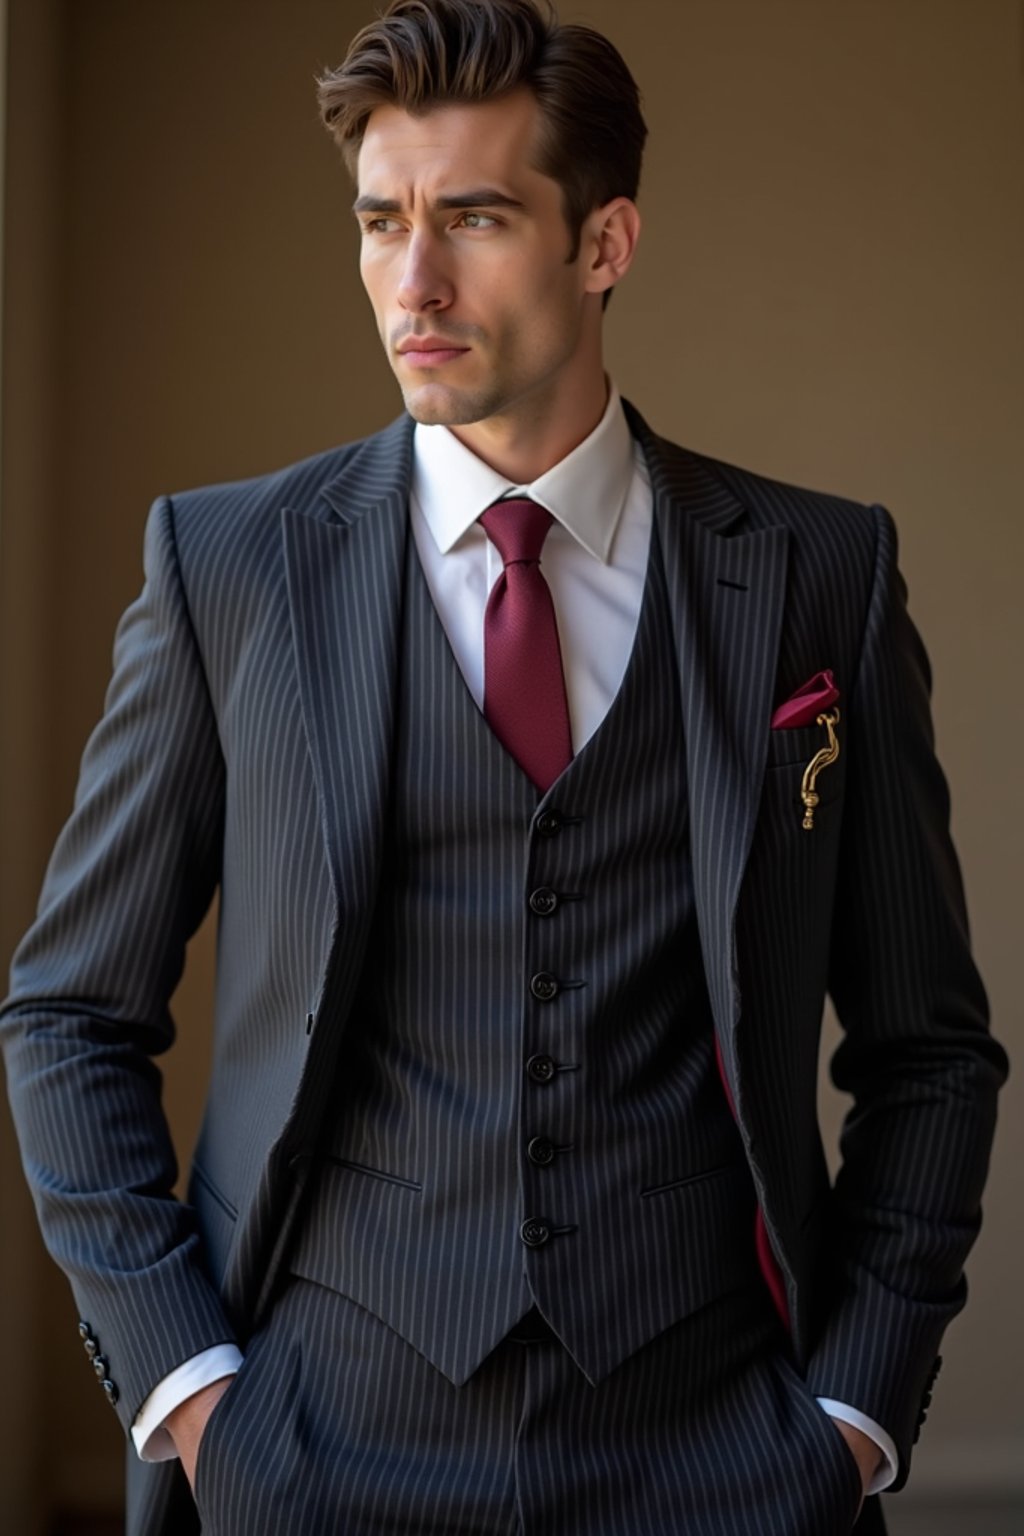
<point>247,741</point>
<point>424,1071</point>
<point>432,1149</point>
<point>708,1431</point>
<point>891,944</point>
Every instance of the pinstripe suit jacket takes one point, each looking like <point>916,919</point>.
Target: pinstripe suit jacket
<point>246,744</point>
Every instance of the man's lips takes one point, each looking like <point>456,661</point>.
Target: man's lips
<point>429,352</point>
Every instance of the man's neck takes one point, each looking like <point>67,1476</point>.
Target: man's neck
<point>524,444</point>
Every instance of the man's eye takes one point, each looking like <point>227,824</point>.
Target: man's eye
<point>477,220</point>
<point>379,226</point>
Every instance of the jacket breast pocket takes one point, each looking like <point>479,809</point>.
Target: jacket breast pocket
<point>809,761</point>
<point>802,801</point>
<point>800,745</point>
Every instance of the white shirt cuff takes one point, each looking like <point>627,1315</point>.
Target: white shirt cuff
<point>886,1472</point>
<point>152,1441</point>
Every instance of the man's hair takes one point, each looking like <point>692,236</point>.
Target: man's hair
<point>422,54</point>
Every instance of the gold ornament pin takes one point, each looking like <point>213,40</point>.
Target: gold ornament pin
<point>822,759</point>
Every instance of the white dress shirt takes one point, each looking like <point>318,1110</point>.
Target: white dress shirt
<point>594,557</point>
<point>595,563</point>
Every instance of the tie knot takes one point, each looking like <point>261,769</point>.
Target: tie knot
<point>517,528</point>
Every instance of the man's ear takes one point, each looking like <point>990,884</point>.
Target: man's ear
<point>608,243</point>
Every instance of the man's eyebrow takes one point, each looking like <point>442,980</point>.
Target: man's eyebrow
<point>477,197</point>
<point>376,205</point>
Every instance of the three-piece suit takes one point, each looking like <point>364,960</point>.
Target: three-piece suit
<point>505,1086</point>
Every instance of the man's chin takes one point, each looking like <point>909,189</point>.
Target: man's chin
<point>434,405</point>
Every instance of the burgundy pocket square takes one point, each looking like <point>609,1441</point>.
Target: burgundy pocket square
<point>819,694</point>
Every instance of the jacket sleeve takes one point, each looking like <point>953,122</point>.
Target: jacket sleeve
<point>131,876</point>
<point>916,1055</point>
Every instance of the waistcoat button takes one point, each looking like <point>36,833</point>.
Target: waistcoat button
<point>543,901</point>
<point>544,986</point>
<point>540,1069</point>
<point>548,824</point>
<point>540,1151</point>
<point>534,1232</point>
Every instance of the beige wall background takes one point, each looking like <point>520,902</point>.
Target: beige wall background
<point>829,290</point>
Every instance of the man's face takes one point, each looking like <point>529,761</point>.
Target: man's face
<point>464,258</point>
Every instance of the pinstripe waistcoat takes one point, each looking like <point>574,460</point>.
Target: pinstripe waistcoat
<point>527,1106</point>
<point>248,745</point>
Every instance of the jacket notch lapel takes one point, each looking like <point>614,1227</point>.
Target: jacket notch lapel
<point>727,594</point>
<point>345,571</point>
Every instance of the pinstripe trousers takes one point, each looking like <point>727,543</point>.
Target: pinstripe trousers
<point>337,1427</point>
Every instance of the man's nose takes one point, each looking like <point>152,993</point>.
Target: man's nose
<point>425,283</point>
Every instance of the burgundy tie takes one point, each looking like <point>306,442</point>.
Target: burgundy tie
<point>524,688</point>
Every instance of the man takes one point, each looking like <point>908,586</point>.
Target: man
<point>549,775</point>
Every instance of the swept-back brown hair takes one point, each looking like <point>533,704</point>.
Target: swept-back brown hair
<point>421,54</point>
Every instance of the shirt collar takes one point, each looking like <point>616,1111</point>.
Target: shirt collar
<point>585,491</point>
